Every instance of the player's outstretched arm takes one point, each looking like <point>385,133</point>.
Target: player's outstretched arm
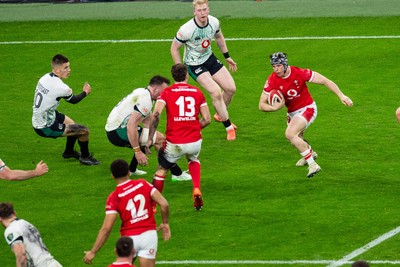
<point>102,237</point>
<point>17,175</point>
<point>87,88</point>
<point>320,79</point>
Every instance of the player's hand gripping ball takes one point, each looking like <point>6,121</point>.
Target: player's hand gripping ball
<point>275,98</point>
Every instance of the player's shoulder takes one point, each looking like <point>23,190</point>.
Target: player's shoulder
<point>300,69</point>
<point>141,95</point>
<point>139,91</point>
<point>305,72</point>
<point>188,25</point>
<point>15,226</point>
<point>186,30</point>
<point>213,20</point>
<point>141,185</point>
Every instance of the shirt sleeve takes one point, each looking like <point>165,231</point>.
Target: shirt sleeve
<point>144,107</point>
<point>12,236</point>
<point>307,75</point>
<point>269,85</point>
<point>111,204</point>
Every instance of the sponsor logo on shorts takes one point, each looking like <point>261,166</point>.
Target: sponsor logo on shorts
<point>151,251</point>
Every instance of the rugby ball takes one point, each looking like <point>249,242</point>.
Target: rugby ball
<point>275,96</point>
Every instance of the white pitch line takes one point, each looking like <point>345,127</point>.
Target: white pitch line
<point>363,249</point>
<point>263,262</point>
<point>228,39</point>
<point>240,262</point>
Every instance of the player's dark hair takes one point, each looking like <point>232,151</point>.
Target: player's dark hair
<point>119,168</point>
<point>6,210</point>
<point>124,246</point>
<point>158,80</point>
<point>59,60</point>
<point>179,72</point>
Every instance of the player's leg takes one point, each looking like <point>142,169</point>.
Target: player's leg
<point>56,130</point>
<point>168,155</point>
<point>302,162</point>
<point>207,82</point>
<point>192,151</point>
<point>226,82</point>
<point>297,125</point>
<point>176,172</point>
<point>211,86</point>
<point>143,262</point>
<point>292,133</point>
<point>194,169</point>
<point>82,133</point>
<point>69,151</point>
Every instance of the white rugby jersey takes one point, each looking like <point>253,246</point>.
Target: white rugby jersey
<point>21,231</point>
<point>197,40</point>
<point>137,101</point>
<point>49,91</point>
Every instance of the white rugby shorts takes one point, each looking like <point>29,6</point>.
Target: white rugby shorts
<point>173,152</point>
<point>146,244</point>
<point>308,113</point>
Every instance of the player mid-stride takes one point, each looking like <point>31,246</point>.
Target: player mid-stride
<point>204,67</point>
<point>302,110</point>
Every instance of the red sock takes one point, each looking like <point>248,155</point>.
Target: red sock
<point>158,182</point>
<point>194,169</point>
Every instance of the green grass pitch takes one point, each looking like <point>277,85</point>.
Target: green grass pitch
<point>258,205</point>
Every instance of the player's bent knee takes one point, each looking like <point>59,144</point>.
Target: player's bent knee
<point>77,129</point>
<point>289,135</point>
<point>230,90</point>
<point>163,161</point>
<point>216,93</point>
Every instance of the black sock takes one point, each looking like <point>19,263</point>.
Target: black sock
<point>69,147</point>
<point>176,170</point>
<point>227,123</point>
<point>133,165</point>
<point>84,148</point>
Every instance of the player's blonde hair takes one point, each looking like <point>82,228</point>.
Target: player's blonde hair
<point>199,2</point>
